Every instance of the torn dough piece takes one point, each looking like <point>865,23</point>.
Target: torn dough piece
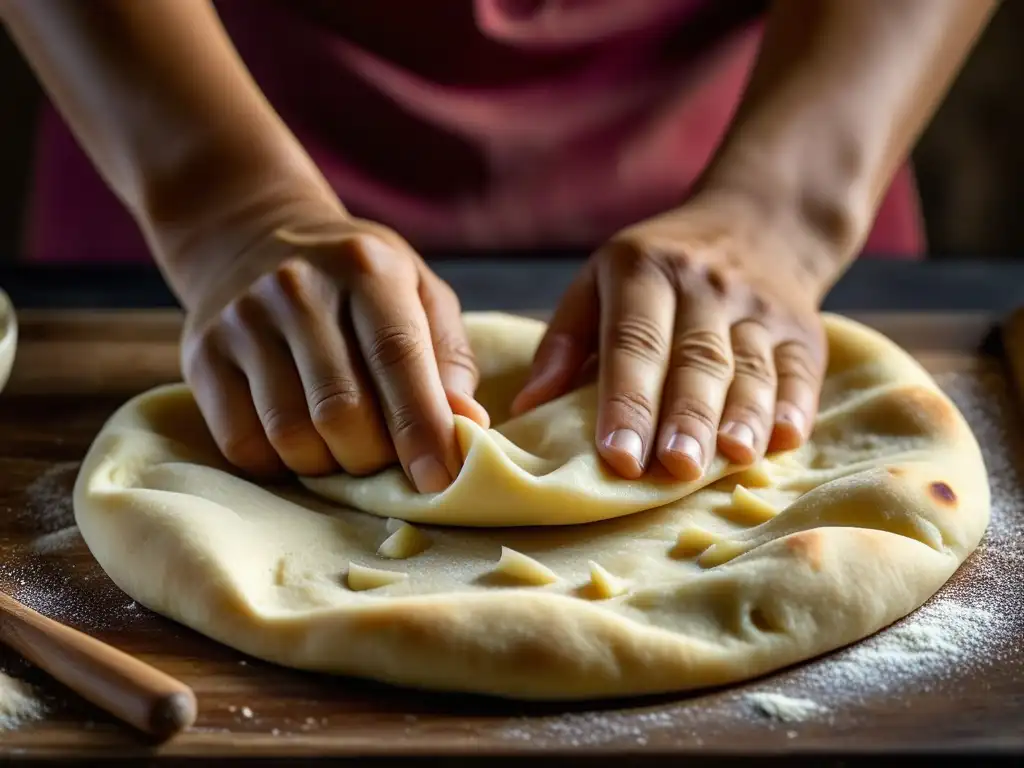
<point>875,512</point>
<point>404,542</point>
<point>751,506</point>
<point>693,540</point>
<point>361,577</point>
<point>517,566</point>
<point>605,585</point>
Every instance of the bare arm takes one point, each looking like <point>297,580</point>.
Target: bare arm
<point>840,93</point>
<point>160,100</point>
<point>335,347</point>
<point>706,317</point>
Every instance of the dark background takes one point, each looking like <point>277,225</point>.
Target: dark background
<point>970,163</point>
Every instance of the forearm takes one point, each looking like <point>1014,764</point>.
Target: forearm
<point>839,95</point>
<point>159,99</point>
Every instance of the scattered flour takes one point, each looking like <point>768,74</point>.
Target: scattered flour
<point>58,541</point>
<point>975,621</point>
<point>48,512</point>
<point>784,708</point>
<point>18,703</point>
<point>48,506</point>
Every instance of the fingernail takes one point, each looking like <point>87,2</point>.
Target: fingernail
<point>429,475</point>
<point>627,441</point>
<point>687,446</point>
<point>787,414</point>
<point>739,432</point>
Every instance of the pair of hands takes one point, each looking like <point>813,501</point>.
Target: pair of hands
<point>330,346</point>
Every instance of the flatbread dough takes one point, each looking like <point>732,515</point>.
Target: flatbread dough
<point>768,566</point>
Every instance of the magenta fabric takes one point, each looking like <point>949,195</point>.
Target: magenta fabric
<point>473,123</point>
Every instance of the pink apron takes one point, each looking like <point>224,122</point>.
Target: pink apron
<point>468,124</point>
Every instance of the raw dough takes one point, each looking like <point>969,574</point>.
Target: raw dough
<point>538,469</point>
<point>823,546</point>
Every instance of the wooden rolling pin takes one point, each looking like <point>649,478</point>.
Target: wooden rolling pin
<point>114,681</point>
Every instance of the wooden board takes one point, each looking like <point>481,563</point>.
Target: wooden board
<point>74,369</point>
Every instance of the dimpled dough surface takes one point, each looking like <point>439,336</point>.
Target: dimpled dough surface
<point>673,587</point>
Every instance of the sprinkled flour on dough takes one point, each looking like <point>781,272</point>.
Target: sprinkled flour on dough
<point>18,703</point>
<point>972,623</point>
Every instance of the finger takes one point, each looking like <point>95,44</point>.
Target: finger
<point>571,337</point>
<point>700,371</point>
<point>222,393</point>
<point>587,373</point>
<point>800,373</point>
<point>394,337</point>
<point>456,364</point>
<point>637,313</point>
<point>339,397</point>
<point>276,389</point>
<point>750,404</point>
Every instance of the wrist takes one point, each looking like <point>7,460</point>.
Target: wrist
<point>824,223</point>
<point>770,240</point>
<point>201,247</point>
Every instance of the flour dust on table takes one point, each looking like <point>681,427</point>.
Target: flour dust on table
<point>19,703</point>
<point>539,574</point>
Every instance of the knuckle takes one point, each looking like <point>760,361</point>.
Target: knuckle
<point>693,409</point>
<point>335,403</point>
<point>705,351</point>
<point>639,338</point>
<point>393,346</point>
<point>247,450</point>
<point>244,312</point>
<point>404,421</point>
<point>754,366</point>
<point>456,353</point>
<point>631,254</point>
<point>287,429</point>
<point>291,281</point>
<point>370,256</point>
<point>720,281</point>
<point>638,407</point>
<point>794,361</point>
<point>749,412</point>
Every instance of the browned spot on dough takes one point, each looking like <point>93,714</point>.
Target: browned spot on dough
<point>943,494</point>
<point>807,546</point>
<point>911,411</point>
<point>927,410</point>
<point>895,471</point>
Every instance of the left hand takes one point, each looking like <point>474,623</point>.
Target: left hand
<point>706,328</point>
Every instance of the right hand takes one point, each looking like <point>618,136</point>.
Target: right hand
<point>326,348</point>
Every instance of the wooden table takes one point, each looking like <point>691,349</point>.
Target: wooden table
<point>75,368</point>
